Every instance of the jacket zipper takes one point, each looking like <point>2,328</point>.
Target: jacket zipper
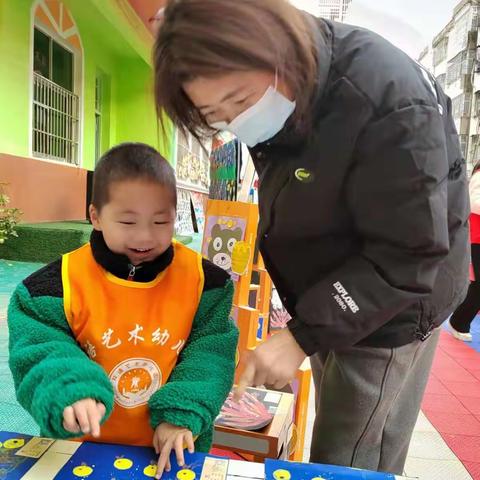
<point>132,272</point>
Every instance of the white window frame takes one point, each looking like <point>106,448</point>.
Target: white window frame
<point>78,84</point>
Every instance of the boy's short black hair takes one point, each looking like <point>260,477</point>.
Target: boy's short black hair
<point>131,161</point>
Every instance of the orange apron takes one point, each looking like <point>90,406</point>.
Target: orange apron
<point>134,330</point>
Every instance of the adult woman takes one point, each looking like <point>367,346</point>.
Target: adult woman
<point>462,318</point>
<point>362,203</point>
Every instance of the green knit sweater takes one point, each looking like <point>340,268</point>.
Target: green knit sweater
<point>51,371</point>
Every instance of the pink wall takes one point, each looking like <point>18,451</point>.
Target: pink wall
<point>44,191</point>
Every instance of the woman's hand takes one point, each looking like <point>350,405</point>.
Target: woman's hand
<point>169,437</point>
<point>274,363</point>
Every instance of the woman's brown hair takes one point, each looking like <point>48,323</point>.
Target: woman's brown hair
<point>213,37</point>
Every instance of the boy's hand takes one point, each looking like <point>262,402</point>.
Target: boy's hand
<point>84,417</point>
<point>169,437</point>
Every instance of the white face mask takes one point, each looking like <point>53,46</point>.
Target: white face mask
<point>261,121</point>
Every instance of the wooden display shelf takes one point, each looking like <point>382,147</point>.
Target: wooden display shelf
<point>303,384</point>
<point>269,442</point>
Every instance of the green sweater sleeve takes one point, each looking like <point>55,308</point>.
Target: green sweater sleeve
<point>201,381</point>
<point>49,368</point>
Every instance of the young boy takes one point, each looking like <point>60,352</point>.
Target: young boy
<point>132,330</point>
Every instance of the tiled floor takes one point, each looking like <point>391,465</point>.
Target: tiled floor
<point>452,399</point>
<point>12,417</point>
<point>446,440</point>
<point>429,456</point>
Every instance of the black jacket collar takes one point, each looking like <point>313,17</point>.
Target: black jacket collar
<point>120,266</point>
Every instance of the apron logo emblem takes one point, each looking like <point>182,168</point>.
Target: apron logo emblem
<point>303,175</point>
<point>134,381</point>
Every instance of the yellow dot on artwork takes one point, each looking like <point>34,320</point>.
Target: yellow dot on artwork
<point>123,463</point>
<point>282,475</point>
<point>186,474</point>
<point>83,471</point>
<point>14,443</point>
<point>150,471</point>
<point>230,223</point>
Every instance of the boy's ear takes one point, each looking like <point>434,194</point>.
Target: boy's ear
<point>94,218</point>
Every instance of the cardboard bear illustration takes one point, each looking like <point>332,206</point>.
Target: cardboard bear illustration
<point>221,246</point>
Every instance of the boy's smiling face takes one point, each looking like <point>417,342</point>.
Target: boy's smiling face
<point>138,220</point>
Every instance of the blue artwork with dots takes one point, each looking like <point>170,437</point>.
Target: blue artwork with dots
<point>281,470</point>
<point>94,461</point>
<point>12,466</point>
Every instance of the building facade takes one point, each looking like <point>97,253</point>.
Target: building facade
<point>78,79</point>
<point>453,59</point>
<point>333,9</point>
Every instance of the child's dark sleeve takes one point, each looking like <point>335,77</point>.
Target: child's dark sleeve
<point>50,370</point>
<point>201,381</point>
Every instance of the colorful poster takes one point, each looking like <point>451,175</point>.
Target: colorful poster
<point>12,466</point>
<point>223,171</point>
<point>234,315</point>
<point>222,234</point>
<point>107,462</point>
<point>184,222</point>
<point>199,201</point>
<point>260,328</point>
<point>193,169</point>
<point>279,317</point>
<point>254,411</point>
<point>281,470</point>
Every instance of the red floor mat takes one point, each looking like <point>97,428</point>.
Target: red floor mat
<point>474,469</point>
<point>452,400</point>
